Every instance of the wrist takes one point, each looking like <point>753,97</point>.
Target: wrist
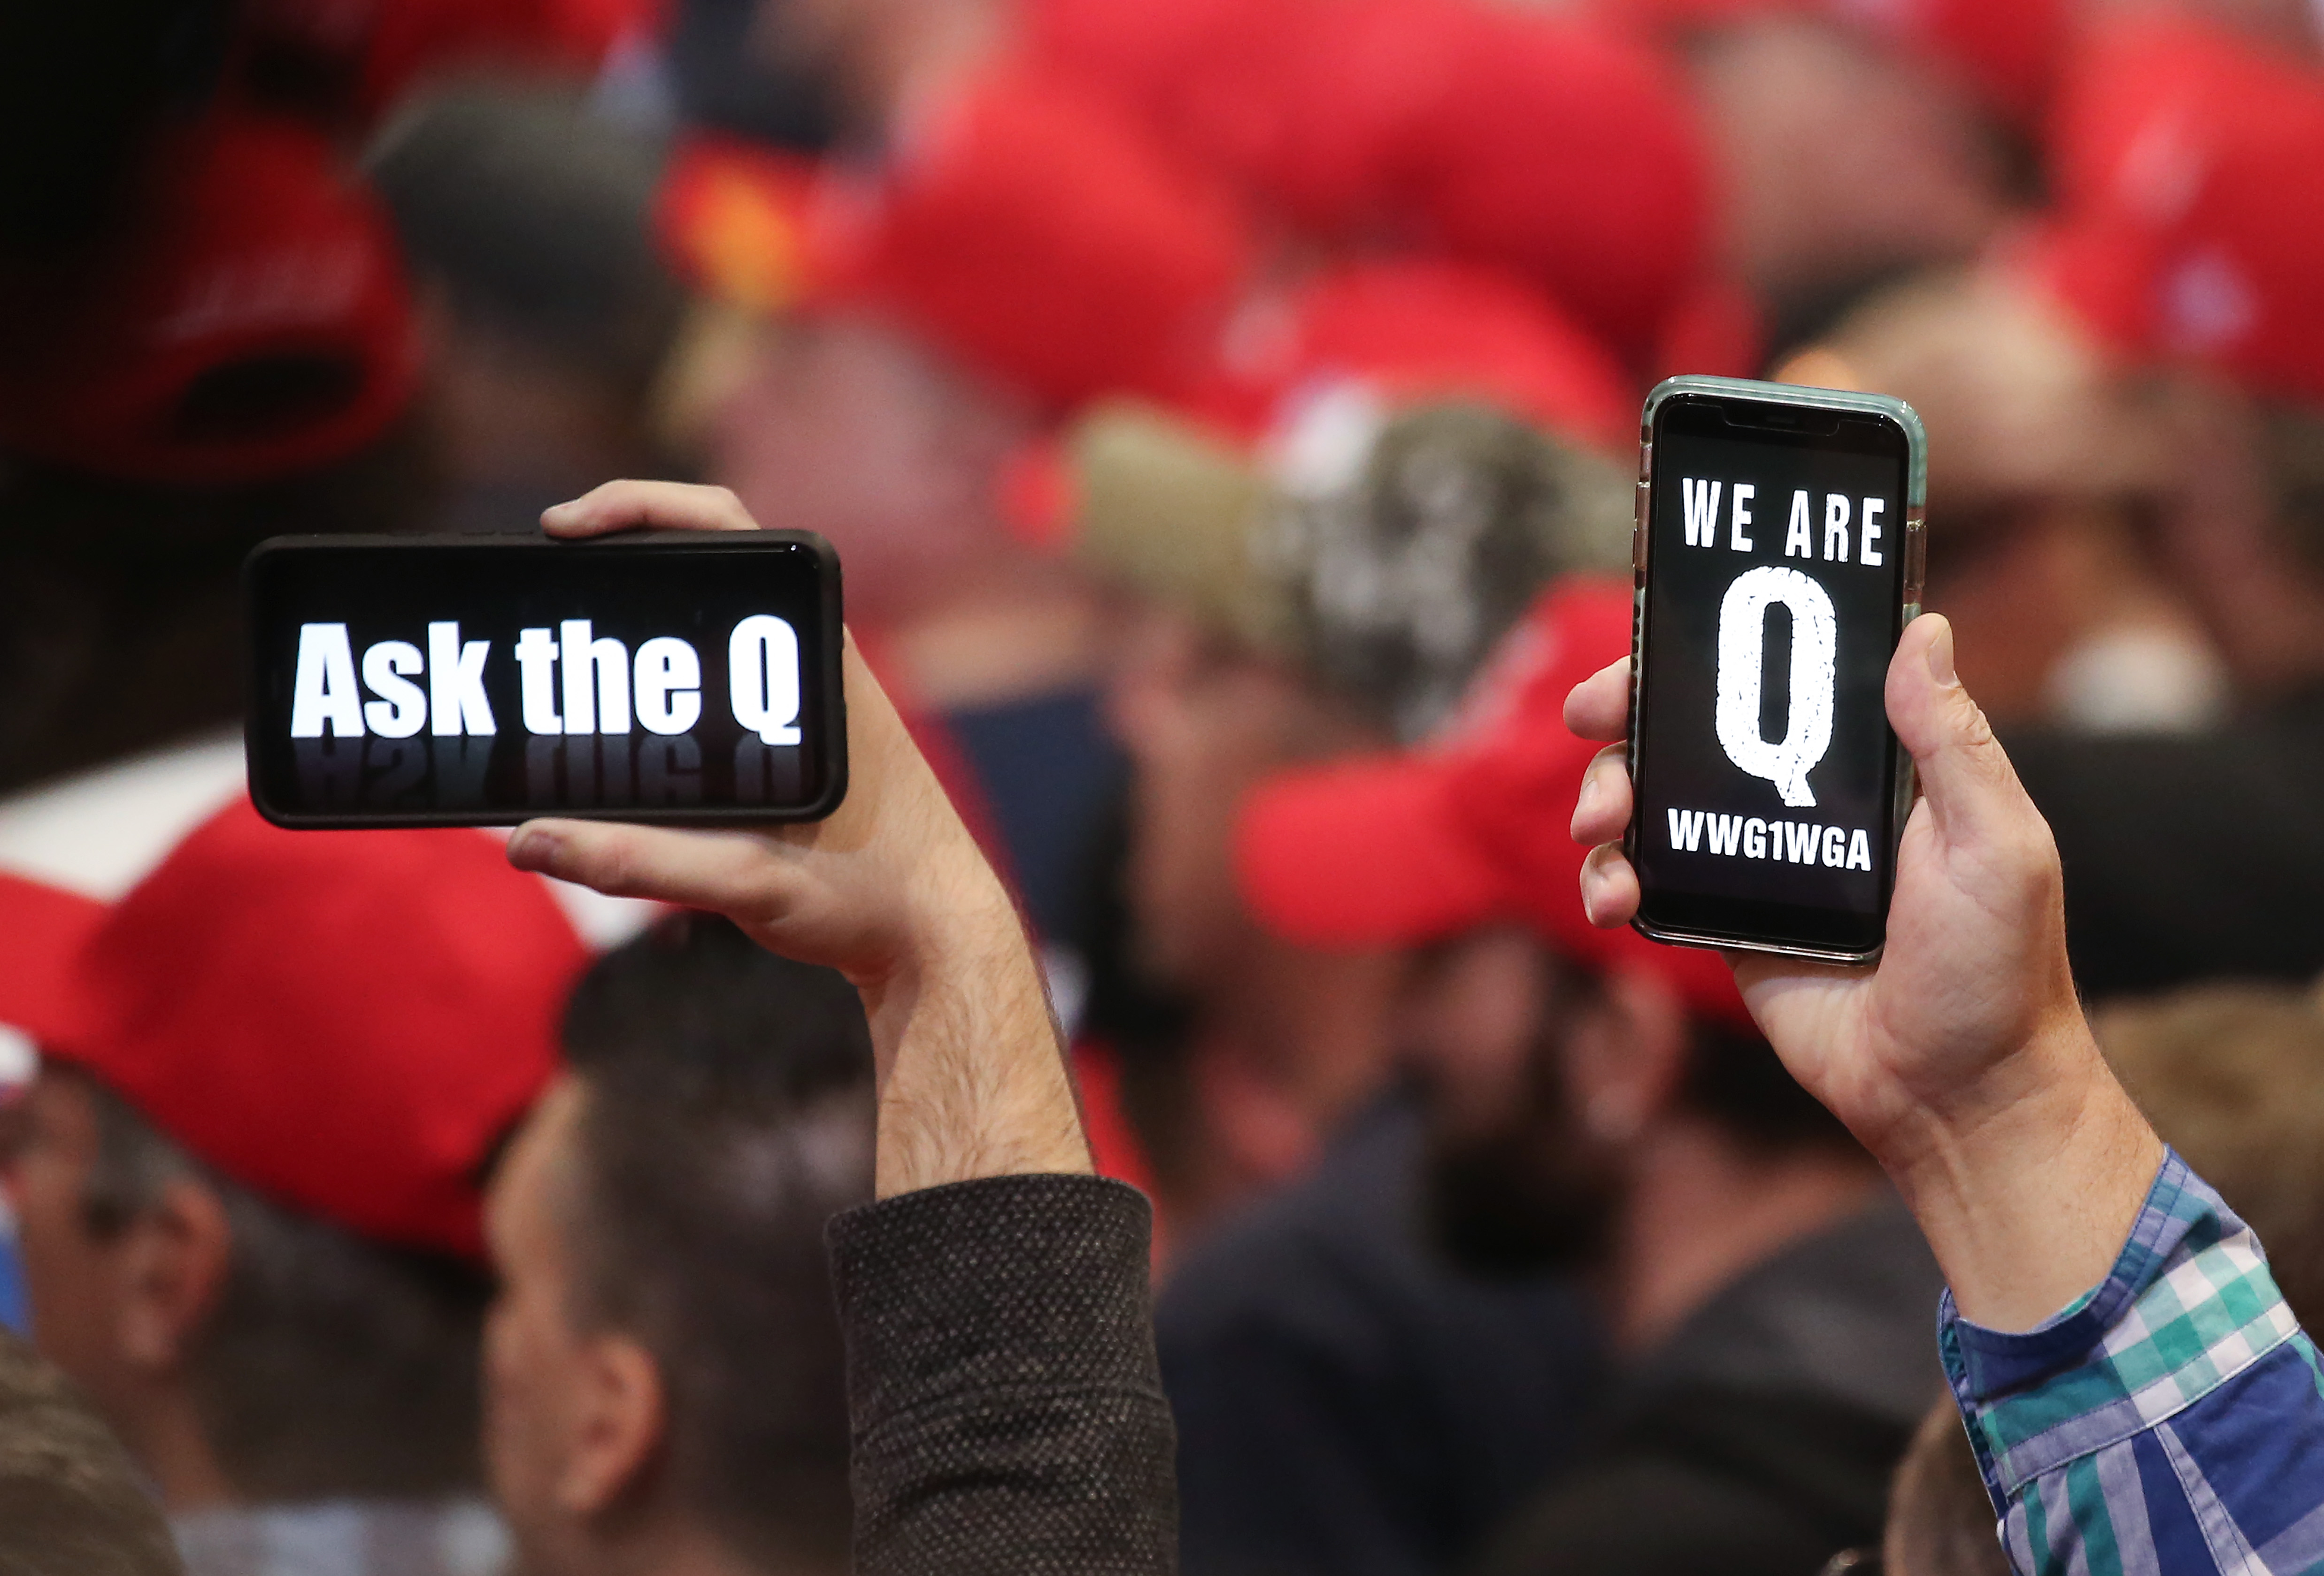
<point>2026,1183</point>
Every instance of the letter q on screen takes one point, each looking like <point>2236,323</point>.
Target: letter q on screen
<point>762,677</point>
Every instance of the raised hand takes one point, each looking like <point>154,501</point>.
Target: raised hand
<point>1962,1061</point>
<point>891,891</point>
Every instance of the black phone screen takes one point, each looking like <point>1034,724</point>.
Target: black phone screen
<point>1774,584</point>
<point>479,681</point>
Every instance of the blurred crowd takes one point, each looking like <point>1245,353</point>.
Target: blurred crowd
<point>1224,411</point>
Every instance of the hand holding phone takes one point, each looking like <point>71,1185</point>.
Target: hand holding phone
<point>891,891</point>
<point>1962,1061</point>
<point>1777,555</point>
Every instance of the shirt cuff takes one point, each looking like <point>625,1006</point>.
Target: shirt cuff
<point>1004,1281</point>
<point>2187,1307</point>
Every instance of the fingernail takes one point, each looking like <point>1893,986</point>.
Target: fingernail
<point>1591,793</point>
<point>533,848</point>
<point>559,511</point>
<point>1940,656</point>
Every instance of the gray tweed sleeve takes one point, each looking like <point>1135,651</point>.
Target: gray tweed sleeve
<point>1008,1414</point>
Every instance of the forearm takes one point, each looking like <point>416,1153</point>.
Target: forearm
<point>973,1080</point>
<point>2026,1188</point>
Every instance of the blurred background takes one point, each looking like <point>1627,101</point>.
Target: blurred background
<point>1196,391</point>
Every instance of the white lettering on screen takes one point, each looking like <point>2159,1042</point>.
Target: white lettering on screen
<point>1701,498</point>
<point>1742,627</point>
<point>569,681</point>
<point>324,694</point>
<point>1778,842</point>
<point>602,707</point>
<point>669,686</point>
<point>323,685</point>
<point>401,708</point>
<point>762,677</point>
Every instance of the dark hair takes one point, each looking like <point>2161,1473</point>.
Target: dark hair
<point>727,1115</point>
<point>70,1499</point>
<point>332,1365</point>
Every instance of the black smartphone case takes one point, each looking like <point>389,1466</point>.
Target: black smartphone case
<point>830,687</point>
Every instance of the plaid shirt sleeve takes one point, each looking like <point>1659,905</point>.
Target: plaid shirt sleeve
<point>2171,1420</point>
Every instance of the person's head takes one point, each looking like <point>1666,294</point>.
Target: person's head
<point>247,1176</point>
<point>855,428</point>
<point>310,1362</point>
<point>69,1495</point>
<point>236,360</point>
<point>1025,251</point>
<point>1532,1155</point>
<point>1341,605</point>
<point>2186,262</point>
<point>2232,1076</point>
<point>1939,1521</point>
<point>1556,1057</point>
<point>663,1361</point>
<point>526,218</point>
<point>2049,458</point>
<point>1846,160</point>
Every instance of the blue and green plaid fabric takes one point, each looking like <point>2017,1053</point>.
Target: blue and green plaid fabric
<point>2171,1421</point>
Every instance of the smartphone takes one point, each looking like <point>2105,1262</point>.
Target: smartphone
<point>436,681</point>
<point>1777,552</point>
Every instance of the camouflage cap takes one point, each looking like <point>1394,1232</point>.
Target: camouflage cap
<point>1382,552</point>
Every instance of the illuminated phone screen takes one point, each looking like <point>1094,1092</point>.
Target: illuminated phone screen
<point>673,677</point>
<point>1774,582</point>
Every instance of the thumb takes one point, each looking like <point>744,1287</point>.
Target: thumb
<point>1964,773</point>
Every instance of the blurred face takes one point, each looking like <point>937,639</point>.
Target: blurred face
<point>1842,158</point>
<point>848,429</point>
<point>68,1270</point>
<point>1202,726</point>
<point>533,1355</point>
<point>1518,1180</point>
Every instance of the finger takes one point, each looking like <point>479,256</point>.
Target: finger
<point>627,505</point>
<point>723,873</point>
<point>1609,887</point>
<point>1964,775</point>
<point>1599,705</point>
<point>1603,808</point>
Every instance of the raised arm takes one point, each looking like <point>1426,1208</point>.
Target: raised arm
<point>1008,1411</point>
<point>2139,1397</point>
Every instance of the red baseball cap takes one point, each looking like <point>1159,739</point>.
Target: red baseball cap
<point>1562,148</point>
<point>1402,849</point>
<point>2190,168</point>
<point>1033,230</point>
<point>346,1022</point>
<point>1419,328</point>
<point>1574,154</point>
<point>1023,224</point>
<point>1310,106</point>
<point>254,322</point>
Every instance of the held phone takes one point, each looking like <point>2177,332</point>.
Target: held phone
<point>661,675</point>
<point>1779,554</point>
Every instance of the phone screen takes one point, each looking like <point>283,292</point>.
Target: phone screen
<point>479,681</point>
<point>1776,574</point>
